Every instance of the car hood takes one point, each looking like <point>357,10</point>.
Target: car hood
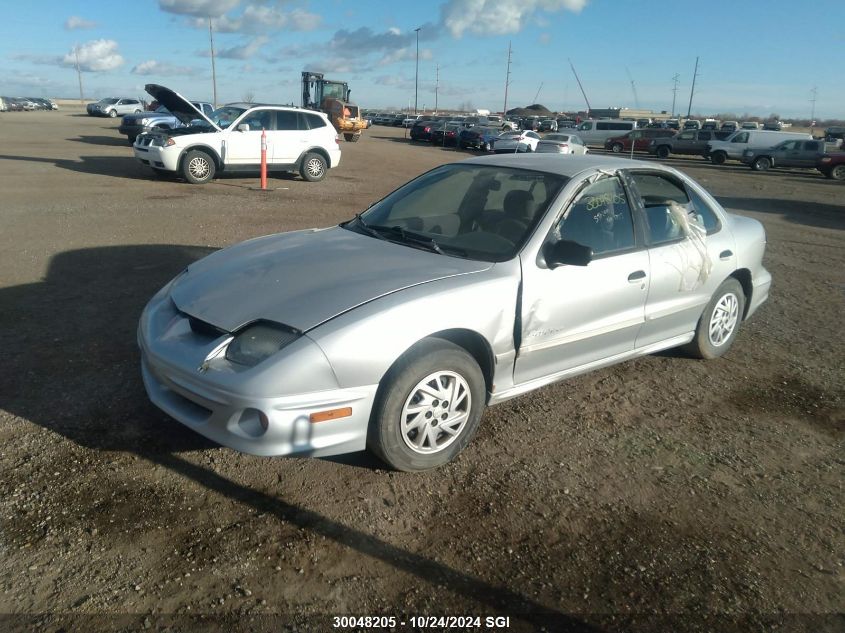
<point>305,278</point>
<point>179,106</point>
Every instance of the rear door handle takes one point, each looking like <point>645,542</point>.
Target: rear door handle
<point>726,254</point>
<point>636,276</point>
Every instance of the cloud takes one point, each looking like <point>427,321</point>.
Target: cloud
<point>405,54</point>
<point>154,67</point>
<point>262,19</point>
<point>245,51</point>
<point>498,17</point>
<point>74,22</point>
<point>198,8</point>
<point>365,40</point>
<point>94,56</point>
<point>544,38</point>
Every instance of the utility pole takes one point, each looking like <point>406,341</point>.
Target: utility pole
<point>417,76</point>
<point>436,85</point>
<point>675,81</point>
<point>507,82</point>
<point>814,92</point>
<point>78,73</point>
<point>692,90</point>
<point>581,87</point>
<point>213,68</point>
<point>537,96</point>
<point>633,89</point>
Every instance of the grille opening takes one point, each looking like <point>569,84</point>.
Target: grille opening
<point>198,326</point>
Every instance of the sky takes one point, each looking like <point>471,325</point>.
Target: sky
<point>755,56</point>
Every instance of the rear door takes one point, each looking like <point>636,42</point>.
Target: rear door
<point>689,253</point>
<point>289,137</point>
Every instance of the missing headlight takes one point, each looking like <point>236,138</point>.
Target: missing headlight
<point>259,341</point>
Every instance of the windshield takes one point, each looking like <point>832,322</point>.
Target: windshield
<point>108,101</point>
<point>162,110</point>
<point>225,116</point>
<point>475,211</point>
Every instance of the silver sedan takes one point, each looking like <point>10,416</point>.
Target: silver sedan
<point>476,282</point>
<point>561,144</point>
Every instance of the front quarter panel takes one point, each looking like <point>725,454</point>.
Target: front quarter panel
<point>362,344</point>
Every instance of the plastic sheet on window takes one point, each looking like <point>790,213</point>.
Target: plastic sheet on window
<point>693,261</point>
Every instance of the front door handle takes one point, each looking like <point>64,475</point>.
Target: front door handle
<point>636,276</point>
<point>726,254</point>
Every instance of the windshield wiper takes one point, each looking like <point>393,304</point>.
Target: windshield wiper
<point>412,238</point>
<point>363,226</point>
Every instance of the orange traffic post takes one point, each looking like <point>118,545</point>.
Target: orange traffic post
<point>263,159</point>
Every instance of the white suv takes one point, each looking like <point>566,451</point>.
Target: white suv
<point>229,139</point>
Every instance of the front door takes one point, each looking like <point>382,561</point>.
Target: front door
<point>243,144</point>
<point>575,315</point>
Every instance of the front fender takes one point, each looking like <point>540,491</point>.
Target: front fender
<point>362,344</point>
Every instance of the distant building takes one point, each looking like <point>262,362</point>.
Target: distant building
<point>628,113</point>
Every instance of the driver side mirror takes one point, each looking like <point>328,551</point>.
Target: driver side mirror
<point>567,253</point>
<point>243,127</point>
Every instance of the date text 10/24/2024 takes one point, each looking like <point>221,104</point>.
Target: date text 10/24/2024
<point>422,621</point>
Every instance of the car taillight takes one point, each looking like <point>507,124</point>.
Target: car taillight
<point>428,129</point>
<point>337,138</point>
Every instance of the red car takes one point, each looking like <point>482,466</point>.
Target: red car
<point>832,165</point>
<point>641,139</point>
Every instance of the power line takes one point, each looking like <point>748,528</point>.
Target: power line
<point>537,96</point>
<point>213,68</point>
<point>436,86</point>
<point>581,87</point>
<point>633,89</point>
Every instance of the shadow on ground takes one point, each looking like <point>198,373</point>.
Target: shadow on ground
<point>72,367</point>
<point>828,216</point>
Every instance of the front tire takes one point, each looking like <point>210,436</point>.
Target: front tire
<point>616,148</point>
<point>718,326</point>
<point>761,163</point>
<point>663,152</point>
<point>198,167</point>
<point>112,114</point>
<point>428,407</point>
<point>313,167</point>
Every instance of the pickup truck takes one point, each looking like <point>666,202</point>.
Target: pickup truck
<point>134,124</point>
<point>690,142</point>
<point>792,153</point>
<point>832,165</point>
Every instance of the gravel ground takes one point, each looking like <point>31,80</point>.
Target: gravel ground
<point>663,491</point>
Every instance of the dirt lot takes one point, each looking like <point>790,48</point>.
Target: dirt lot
<point>664,486</point>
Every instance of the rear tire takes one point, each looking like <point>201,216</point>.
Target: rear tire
<point>485,147</point>
<point>718,158</point>
<point>837,173</point>
<point>350,137</point>
<point>761,163</point>
<point>428,406</point>
<point>198,167</point>
<point>719,323</point>
<point>313,167</point>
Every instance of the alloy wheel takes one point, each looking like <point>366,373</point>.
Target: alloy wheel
<point>435,412</point>
<point>724,319</point>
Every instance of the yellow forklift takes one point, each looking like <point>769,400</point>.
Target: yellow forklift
<point>332,97</point>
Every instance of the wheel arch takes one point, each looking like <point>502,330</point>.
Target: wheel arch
<point>202,148</point>
<point>316,150</point>
<point>743,276</point>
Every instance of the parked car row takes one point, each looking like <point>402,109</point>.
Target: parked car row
<point>26,104</point>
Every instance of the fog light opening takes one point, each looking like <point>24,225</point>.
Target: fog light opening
<point>253,422</point>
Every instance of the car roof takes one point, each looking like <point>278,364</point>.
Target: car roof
<point>247,106</point>
<point>567,166</point>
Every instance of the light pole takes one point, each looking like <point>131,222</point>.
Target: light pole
<point>417,75</point>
